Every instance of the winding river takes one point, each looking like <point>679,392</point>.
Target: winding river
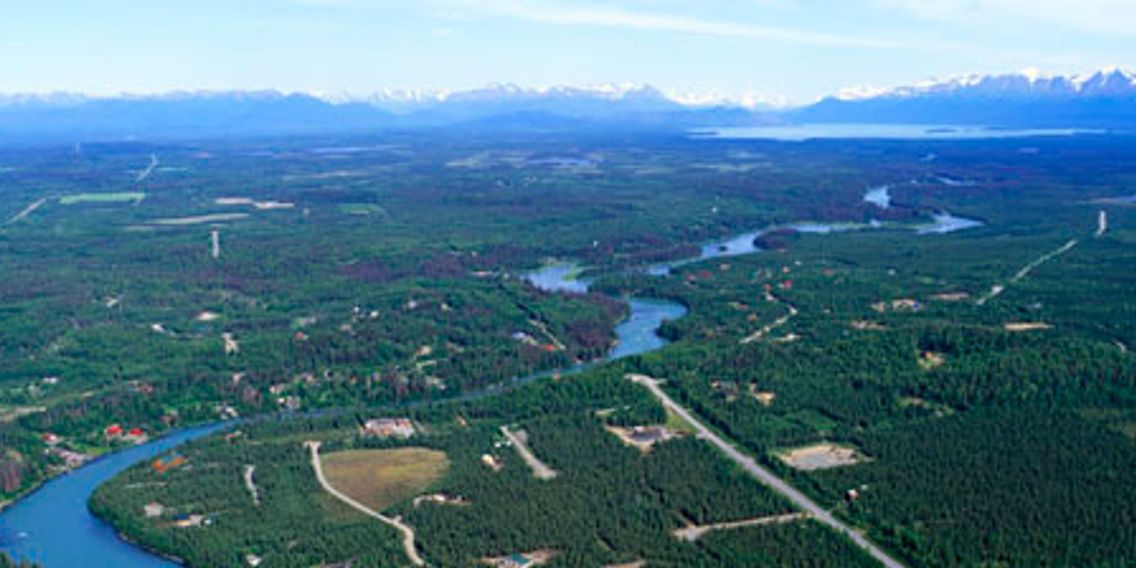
<point>53,527</point>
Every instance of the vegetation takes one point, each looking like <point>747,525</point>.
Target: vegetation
<point>382,478</point>
<point>389,287</point>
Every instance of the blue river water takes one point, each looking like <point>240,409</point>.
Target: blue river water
<point>53,527</point>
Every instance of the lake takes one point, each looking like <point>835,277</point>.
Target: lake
<point>804,132</point>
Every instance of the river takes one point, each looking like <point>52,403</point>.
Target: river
<point>52,525</point>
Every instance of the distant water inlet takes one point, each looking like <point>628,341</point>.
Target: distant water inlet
<point>805,132</point>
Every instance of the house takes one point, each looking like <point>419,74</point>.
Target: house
<point>50,439</point>
<point>387,427</point>
<point>166,463</point>
<point>186,521</point>
<point>70,459</point>
<point>113,431</point>
<point>134,436</point>
<point>153,509</point>
<point>493,462</point>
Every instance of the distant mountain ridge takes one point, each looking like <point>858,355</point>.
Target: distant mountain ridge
<point>1104,99</point>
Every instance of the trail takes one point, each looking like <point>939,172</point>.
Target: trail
<point>694,532</point>
<point>27,211</point>
<point>406,530</point>
<point>540,469</point>
<point>775,324</point>
<point>251,485</point>
<point>548,334</point>
<point>764,476</point>
<point>997,289</point>
<point>149,169</point>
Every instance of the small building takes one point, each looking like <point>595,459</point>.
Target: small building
<point>388,427</point>
<point>70,459</point>
<point>51,439</point>
<point>493,462</point>
<point>187,521</point>
<point>166,463</point>
<point>113,431</point>
<point>153,509</point>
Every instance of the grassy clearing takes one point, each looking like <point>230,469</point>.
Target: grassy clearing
<point>197,220</point>
<point>382,478</point>
<point>119,197</point>
<point>677,424</point>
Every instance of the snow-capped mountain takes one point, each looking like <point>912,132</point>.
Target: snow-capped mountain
<point>1029,83</point>
<point>1105,98</point>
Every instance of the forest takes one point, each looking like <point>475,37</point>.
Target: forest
<point>983,377</point>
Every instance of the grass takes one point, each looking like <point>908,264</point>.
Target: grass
<point>119,197</point>
<point>677,424</point>
<point>382,478</point>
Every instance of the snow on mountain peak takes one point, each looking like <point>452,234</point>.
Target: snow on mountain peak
<point>1026,83</point>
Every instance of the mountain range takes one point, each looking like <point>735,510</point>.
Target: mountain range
<point>1105,99</point>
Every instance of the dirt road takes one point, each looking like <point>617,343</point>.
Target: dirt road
<point>997,289</point>
<point>406,530</point>
<point>250,484</point>
<point>764,476</point>
<point>149,169</point>
<point>694,532</point>
<point>776,323</point>
<point>540,469</point>
<point>27,211</point>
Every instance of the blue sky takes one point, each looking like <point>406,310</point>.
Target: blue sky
<point>797,50</point>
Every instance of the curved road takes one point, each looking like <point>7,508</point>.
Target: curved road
<point>766,477</point>
<point>406,530</point>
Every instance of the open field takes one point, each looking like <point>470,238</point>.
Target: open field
<point>114,197</point>
<point>200,219</point>
<point>820,456</point>
<point>382,478</point>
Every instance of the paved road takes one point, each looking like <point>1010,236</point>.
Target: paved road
<point>766,477</point>
<point>406,530</point>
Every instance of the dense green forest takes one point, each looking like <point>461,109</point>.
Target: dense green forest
<point>984,377</point>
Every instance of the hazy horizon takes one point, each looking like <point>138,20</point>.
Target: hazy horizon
<point>771,51</point>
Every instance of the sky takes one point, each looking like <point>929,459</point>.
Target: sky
<point>776,50</point>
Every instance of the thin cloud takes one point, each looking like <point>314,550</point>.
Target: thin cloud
<point>608,17</point>
<point>1114,17</point>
